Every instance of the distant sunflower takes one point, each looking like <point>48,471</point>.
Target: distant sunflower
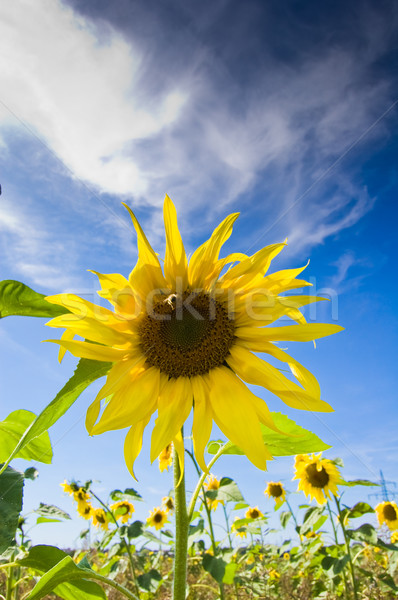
<point>394,537</point>
<point>238,529</point>
<point>81,496</point>
<point>166,458</point>
<point>387,512</point>
<point>253,513</point>
<point>318,477</point>
<point>186,337</point>
<point>122,510</point>
<point>212,484</point>
<point>168,503</point>
<point>277,492</point>
<point>100,518</point>
<point>68,488</point>
<point>157,518</point>
<point>84,509</point>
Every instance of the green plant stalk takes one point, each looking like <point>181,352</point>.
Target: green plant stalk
<point>348,549</point>
<point>227,524</point>
<point>181,531</point>
<point>199,485</point>
<point>10,583</point>
<point>336,539</point>
<point>294,519</point>
<point>125,540</point>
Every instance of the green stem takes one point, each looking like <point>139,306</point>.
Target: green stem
<point>348,549</point>
<point>10,583</point>
<point>195,495</point>
<point>294,519</point>
<point>336,539</point>
<point>181,531</point>
<point>122,537</point>
<point>227,524</point>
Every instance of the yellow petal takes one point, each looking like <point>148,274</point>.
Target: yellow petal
<point>202,419</point>
<point>175,264</point>
<point>292,333</point>
<point>83,308</point>
<point>204,259</point>
<point>174,406</point>
<point>265,308</point>
<point>67,336</point>
<point>87,350</point>
<point>180,449</point>
<point>131,403</point>
<point>117,290</point>
<point>133,443</point>
<point>254,266</point>
<point>123,373</point>
<point>255,371</point>
<point>91,329</point>
<point>285,280</point>
<point>147,275</point>
<point>236,415</point>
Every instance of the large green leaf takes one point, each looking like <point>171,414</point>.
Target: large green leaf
<point>297,441</point>
<point>11,489</point>
<point>227,492</point>
<point>16,298</point>
<point>360,508</point>
<point>61,575</point>
<point>364,533</point>
<point>354,482</point>
<point>11,431</point>
<point>86,372</point>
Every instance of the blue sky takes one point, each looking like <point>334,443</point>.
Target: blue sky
<point>286,112</point>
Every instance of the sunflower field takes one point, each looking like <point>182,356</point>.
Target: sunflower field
<point>180,340</point>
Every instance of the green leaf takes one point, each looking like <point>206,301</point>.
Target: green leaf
<point>227,492</point>
<point>86,372</point>
<point>214,566</point>
<point>364,533</point>
<point>195,531</point>
<point>61,575</point>
<point>298,440</point>
<point>11,490</point>
<point>16,298</point>
<point>49,511</point>
<point>135,529</point>
<point>360,508</point>
<point>359,482</point>
<point>284,517</point>
<point>11,431</point>
<point>31,473</point>
<point>150,581</point>
<point>388,580</point>
<point>230,570</point>
<point>129,494</point>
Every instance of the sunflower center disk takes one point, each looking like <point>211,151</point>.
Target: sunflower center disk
<point>187,335</point>
<point>318,479</point>
<point>390,512</point>
<point>275,491</point>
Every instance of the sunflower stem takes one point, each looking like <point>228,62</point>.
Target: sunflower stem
<point>348,549</point>
<point>195,495</point>
<point>181,532</point>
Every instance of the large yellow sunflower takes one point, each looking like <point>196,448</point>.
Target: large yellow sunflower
<point>387,512</point>
<point>276,491</point>
<point>318,477</point>
<point>184,337</point>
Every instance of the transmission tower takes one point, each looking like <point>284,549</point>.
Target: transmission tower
<point>386,493</point>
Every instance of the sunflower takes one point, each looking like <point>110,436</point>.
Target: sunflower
<point>100,518</point>
<point>212,484</point>
<point>157,518</point>
<point>253,513</point>
<point>186,336</point>
<point>68,488</point>
<point>394,537</point>
<point>123,510</point>
<point>387,512</point>
<point>318,477</point>
<point>168,503</point>
<point>81,496</point>
<point>239,529</point>
<point>84,509</point>
<point>166,458</point>
<point>277,492</point>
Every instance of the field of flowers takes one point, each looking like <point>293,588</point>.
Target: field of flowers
<point>328,557</point>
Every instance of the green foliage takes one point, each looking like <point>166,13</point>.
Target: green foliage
<point>227,492</point>
<point>11,431</point>
<point>61,575</point>
<point>360,508</point>
<point>50,513</point>
<point>296,440</point>
<point>129,494</point>
<point>16,298</point>
<point>354,482</point>
<point>11,491</point>
<point>150,581</point>
<point>364,533</point>
<point>86,372</point>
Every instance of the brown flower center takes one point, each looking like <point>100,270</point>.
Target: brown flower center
<point>254,513</point>
<point>157,517</point>
<point>275,489</point>
<point>318,479</point>
<point>389,512</point>
<point>186,335</point>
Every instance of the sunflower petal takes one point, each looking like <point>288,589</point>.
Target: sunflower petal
<point>175,264</point>
<point>255,337</point>
<point>133,443</point>
<point>202,419</point>
<point>91,329</point>
<point>236,415</point>
<point>174,406</point>
<point>180,449</point>
<point>88,350</point>
<point>117,290</point>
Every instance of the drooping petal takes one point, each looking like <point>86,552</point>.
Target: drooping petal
<point>88,350</point>
<point>133,443</point>
<point>67,336</point>
<point>130,403</point>
<point>204,260</point>
<point>175,263</point>
<point>202,419</point>
<point>284,280</point>
<point>236,415</point>
<point>261,308</point>
<point>147,275</point>
<point>91,329</point>
<point>174,406</point>
<point>253,268</point>
<point>292,333</point>
<point>255,371</point>
<point>180,449</point>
